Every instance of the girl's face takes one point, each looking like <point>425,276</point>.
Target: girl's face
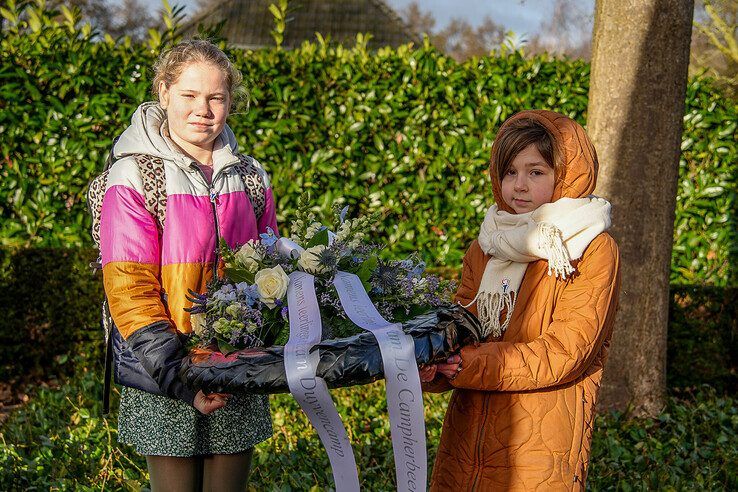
<point>529,182</point>
<point>197,105</point>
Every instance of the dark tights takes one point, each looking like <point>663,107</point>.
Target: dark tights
<point>221,472</point>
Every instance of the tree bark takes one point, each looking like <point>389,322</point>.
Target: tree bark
<point>638,82</point>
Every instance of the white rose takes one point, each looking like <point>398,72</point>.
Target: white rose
<point>271,284</point>
<point>249,257</point>
<point>309,260</point>
<point>197,321</point>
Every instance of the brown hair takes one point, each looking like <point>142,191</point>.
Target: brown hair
<point>171,63</point>
<point>517,136</point>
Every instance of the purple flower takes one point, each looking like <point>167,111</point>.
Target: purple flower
<point>268,239</point>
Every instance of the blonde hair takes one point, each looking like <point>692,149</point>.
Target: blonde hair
<point>171,63</point>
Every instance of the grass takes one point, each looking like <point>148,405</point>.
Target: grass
<point>60,441</point>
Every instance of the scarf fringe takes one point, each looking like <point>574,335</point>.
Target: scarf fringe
<point>490,307</point>
<point>551,243</point>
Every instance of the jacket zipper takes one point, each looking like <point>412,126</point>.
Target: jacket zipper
<point>213,202</point>
<point>480,440</point>
<point>213,195</point>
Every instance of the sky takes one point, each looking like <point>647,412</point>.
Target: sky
<point>522,16</point>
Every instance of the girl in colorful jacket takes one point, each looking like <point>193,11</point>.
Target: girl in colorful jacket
<point>191,440</point>
<point>543,278</point>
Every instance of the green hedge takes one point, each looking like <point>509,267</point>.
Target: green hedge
<point>58,441</point>
<point>50,306</point>
<point>702,341</point>
<point>406,132</point>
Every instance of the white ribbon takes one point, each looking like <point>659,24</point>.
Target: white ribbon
<point>404,395</point>
<point>311,392</point>
<point>289,248</point>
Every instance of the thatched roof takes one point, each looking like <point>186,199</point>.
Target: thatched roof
<point>248,23</point>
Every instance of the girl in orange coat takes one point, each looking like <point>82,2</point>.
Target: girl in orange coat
<point>543,278</point>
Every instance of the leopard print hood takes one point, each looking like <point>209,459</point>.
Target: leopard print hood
<point>148,135</point>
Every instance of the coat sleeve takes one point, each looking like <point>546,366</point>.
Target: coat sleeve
<point>464,294</point>
<point>130,249</point>
<point>580,325</point>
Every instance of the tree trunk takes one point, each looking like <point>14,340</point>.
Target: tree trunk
<point>640,57</point>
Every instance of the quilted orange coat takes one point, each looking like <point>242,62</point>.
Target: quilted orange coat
<point>522,412</point>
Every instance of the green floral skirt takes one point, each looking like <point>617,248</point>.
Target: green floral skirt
<point>161,426</point>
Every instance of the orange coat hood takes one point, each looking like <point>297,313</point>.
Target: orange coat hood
<point>577,176</point>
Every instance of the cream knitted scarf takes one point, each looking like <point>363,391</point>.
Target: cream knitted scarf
<point>558,232</point>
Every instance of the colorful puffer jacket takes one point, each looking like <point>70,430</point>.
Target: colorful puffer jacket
<point>522,412</point>
<point>146,275</point>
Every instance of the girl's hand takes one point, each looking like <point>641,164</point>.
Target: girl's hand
<point>451,367</point>
<point>209,403</point>
<point>427,373</point>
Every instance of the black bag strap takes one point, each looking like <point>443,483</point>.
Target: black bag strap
<point>107,382</point>
<point>106,323</point>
